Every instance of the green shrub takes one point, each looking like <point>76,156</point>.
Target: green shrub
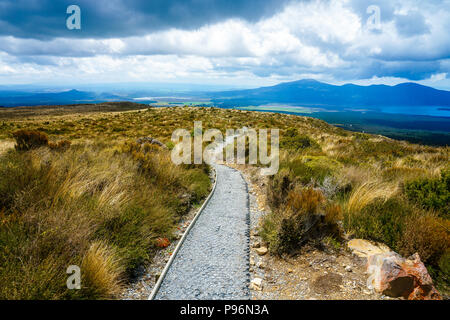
<point>292,140</point>
<point>29,139</point>
<point>431,193</point>
<point>377,149</point>
<point>380,221</point>
<point>199,184</point>
<point>444,263</point>
<point>309,168</point>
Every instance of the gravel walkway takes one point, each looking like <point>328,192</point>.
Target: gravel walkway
<point>213,262</point>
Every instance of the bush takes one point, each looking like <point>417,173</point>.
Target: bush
<point>199,184</point>
<point>427,235</point>
<point>308,169</point>
<point>380,220</point>
<point>431,193</point>
<point>292,140</point>
<point>306,217</point>
<point>60,145</point>
<point>278,188</point>
<point>444,263</point>
<point>29,139</point>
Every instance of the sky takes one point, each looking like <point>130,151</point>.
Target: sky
<point>226,42</point>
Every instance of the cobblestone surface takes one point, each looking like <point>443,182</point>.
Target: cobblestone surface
<point>213,262</point>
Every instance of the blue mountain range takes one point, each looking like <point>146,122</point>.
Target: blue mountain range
<point>312,92</point>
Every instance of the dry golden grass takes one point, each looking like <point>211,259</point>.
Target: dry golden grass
<point>367,192</point>
<point>102,271</point>
<point>6,145</point>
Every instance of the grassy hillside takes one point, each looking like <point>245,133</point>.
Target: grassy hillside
<point>104,201</point>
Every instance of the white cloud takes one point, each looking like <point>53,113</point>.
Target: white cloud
<point>322,39</point>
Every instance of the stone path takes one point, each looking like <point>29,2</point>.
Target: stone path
<point>213,262</point>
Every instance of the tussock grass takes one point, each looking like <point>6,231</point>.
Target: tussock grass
<point>96,205</point>
<point>367,192</point>
<point>102,271</point>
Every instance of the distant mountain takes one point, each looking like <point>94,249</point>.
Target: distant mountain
<point>312,92</point>
<point>18,98</point>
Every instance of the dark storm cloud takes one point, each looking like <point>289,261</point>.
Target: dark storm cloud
<point>45,19</point>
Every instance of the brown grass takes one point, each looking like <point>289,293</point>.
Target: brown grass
<point>102,271</point>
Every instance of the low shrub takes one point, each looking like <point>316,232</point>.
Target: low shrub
<point>199,184</point>
<point>29,139</point>
<point>306,217</point>
<point>278,187</point>
<point>311,168</point>
<point>444,264</point>
<point>292,140</point>
<point>60,145</point>
<point>431,194</point>
<point>427,235</point>
<point>380,220</point>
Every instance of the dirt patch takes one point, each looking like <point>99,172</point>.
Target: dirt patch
<point>330,282</point>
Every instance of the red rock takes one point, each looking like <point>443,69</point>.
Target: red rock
<point>395,276</point>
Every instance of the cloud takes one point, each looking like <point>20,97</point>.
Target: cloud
<point>411,24</point>
<point>46,19</point>
<point>324,39</point>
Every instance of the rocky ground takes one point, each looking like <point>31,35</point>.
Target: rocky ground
<point>312,274</point>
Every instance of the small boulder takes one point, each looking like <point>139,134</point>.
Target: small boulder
<point>364,248</point>
<point>394,276</point>
<point>261,251</point>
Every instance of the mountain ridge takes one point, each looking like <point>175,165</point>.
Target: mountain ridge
<point>310,91</point>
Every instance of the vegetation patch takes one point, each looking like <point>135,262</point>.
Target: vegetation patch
<point>101,206</point>
<point>432,194</point>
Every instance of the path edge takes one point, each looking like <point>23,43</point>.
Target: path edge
<point>183,238</point>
